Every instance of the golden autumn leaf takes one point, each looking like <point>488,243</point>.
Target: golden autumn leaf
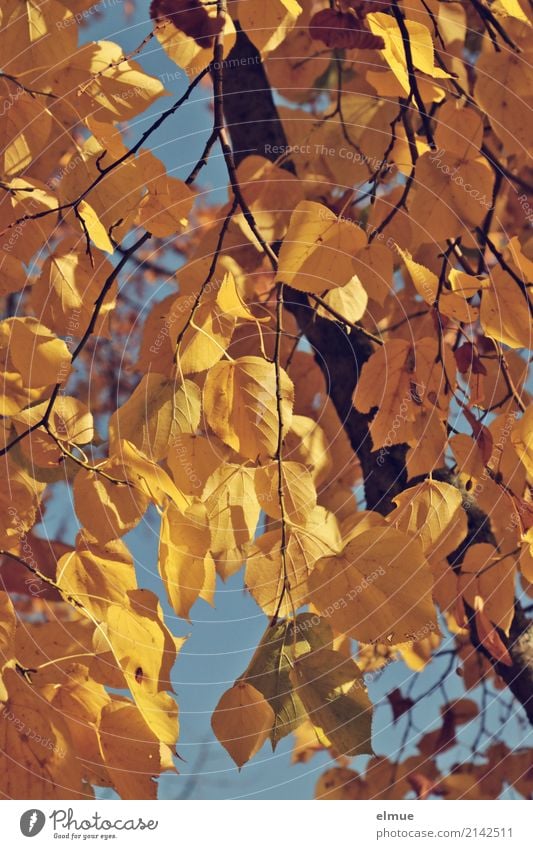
<point>268,24</point>
<point>186,565</point>
<point>131,751</point>
<point>433,513</point>
<point>522,439</point>
<point>298,490</point>
<point>378,590</point>
<point>36,749</point>
<point>156,413</point>
<point>94,227</point>
<point>97,574</point>
<point>239,401</point>
<point>137,640</point>
<point>242,721</point>
<point>332,690</point>
<point>317,252</point>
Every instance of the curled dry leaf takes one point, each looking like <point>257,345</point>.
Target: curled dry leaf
<point>189,16</point>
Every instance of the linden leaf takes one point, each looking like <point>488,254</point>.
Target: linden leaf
<point>94,227</point>
<point>240,404</point>
<point>107,509</point>
<point>144,651</point>
<point>233,513</point>
<point>36,756</point>
<point>377,590</point>
<point>25,123</point>
<point>505,315</point>
<point>522,439</point>
<point>489,575</point>
<point>318,251</point>
<point>38,355</point>
<point>432,513</point>
<point>394,361</point>
<point>97,575</point>
<point>280,585</point>
<point>427,285</point>
<point>268,24</point>
<point>130,750</point>
<point>242,721</point>
<point>186,566</point>
<point>158,410</point>
<point>332,690</point>
<point>299,494</point>
<point>269,669</point>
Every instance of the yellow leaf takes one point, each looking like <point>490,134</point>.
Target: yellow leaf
<point>36,756</point>
<point>38,355</point>
<point>277,592</point>
<point>503,91</point>
<point>299,494</point>
<point>466,285</point>
<point>233,513</point>
<point>242,721</point>
<point>96,80</point>
<point>271,192</point>
<point>377,590</point>
<point>107,510</point>
<point>522,439</point>
<point>165,208</point>
<point>97,575</point>
<point>332,689</point>
<point>158,411</point>
<point>25,122</point>
<point>489,574</point>
<point>504,313</point>
<point>450,195</point>
<point>373,267</point>
<point>192,460</point>
<point>349,300</point>
<point>459,130</point>
<point>144,651</point>
<point>94,227</point>
<point>202,339</point>
<point>27,199</point>
<point>386,381</point>
<point>146,476</point>
<point>186,566</point>
<point>272,661</point>
<point>185,51</point>
<point>70,422</point>
<point>80,701</point>
<point>433,513</point>
<point>267,24</point>
<point>240,404</point>
<point>130,750</point>
<point>427,285</point>
<point>422,50</point>
<point>64,295</point>
<point>35,37</point>
<point>317,252</point>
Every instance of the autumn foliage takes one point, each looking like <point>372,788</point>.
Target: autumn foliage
<point>330,398</point>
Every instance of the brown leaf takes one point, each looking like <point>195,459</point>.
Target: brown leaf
<point>189,16</point>
<point>343,30</point>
